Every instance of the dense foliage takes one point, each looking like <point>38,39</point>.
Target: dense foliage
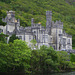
<point>46,60</point>
<point>72,58</point>
<point>1,22</point>
<point>14,57</point>
<point>18,57</point>
<point>12,38</point>
<point>3,38</point>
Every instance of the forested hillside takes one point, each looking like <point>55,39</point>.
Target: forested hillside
<point>63,10</point>
<point>72,2</point>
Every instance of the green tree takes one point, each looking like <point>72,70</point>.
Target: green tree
<point>44,60</point>
<point>3,37</point>
<point>35,61</point>
<point>72,57</point>
<point>49,59</point>
<point>1,22</point>
<point>64,60</point>
<point>12,38</point>
<point>15,57</point>
<point>4,51</point>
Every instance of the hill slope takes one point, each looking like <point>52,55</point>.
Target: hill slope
<point>63,10</point>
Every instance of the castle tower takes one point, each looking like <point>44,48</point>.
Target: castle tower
<point>11,21</point>
<point>48,21</point>
<point>57,33</point>
<point>48,18</point>
<point>11,16</point>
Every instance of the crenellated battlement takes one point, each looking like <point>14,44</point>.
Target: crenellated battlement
<point>33,24</point>
<point>51,24</point>
<point>57,24</point>
<point>48,13</point>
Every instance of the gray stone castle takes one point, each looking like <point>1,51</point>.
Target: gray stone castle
<point>53,35</point>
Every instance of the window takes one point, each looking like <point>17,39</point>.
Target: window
<point>60,41</point>
<point>34,31</point>
<point>20,37</point>
<point>64,41</point>
<point>1,30</point>
<point>68,41</point>
<point>54,47</point>
<point>60,32</point>
<point>50,39</point>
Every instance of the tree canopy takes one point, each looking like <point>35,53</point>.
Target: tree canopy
<point>14,57</point>
<point>3,37</point>
<point>12,38</point>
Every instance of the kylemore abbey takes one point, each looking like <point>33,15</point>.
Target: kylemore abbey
<point>51,35</point>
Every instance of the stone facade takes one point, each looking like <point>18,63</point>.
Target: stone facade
<point>53,35</point>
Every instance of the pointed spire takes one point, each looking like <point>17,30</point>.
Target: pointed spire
<point>32,21</point>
